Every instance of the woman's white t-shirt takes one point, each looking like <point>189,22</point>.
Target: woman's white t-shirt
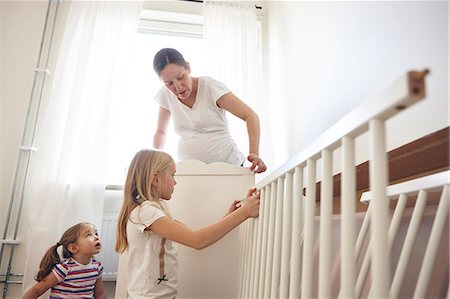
<point>153,261</point>
<point>203,129</point>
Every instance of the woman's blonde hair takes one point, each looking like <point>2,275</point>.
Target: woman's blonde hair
<point>138,188</point>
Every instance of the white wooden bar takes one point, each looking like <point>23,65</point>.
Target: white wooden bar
<point>254,232</point>
<point>433,244</point>
<point>380,271</point>
<point>403,92</point>
<point>348,198</point>
<point>408,244</point>
<point>396,219</point>
<point>308,243</point>
<point>241,262</point>
<point>362,276</point>
<point>297,231</point>
<point>362,234</point>
<point>286,237</point>
<point>430,182</point>
<point>393,228</point>
<point>246,255</point>
<point>264,241</point>
<point>259,245</point>
<point>268,277</point>
<point>275,283</point>
<point>271,283</point>
<point>326,211</point>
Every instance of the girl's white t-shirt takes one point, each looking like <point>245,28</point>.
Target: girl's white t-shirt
<point>203,129</point>
<point>149,275</point>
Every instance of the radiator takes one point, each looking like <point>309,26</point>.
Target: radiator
<point>107,256</point>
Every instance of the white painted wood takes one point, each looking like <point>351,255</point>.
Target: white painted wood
<point>433,244</point>
<point>429,183</point>
<point>393,228</point>
<point>380,105</point>
<point>275,282</point>
<point>362,234</point>
<point>326,211</point>
<point>252,257</point>
<point>241,261</point>
<point>264,243</point>
<point>248,258</point>
<point>255,274</point>
<point>270,238</point>
<point>348,197</point>
<point>380,271</point>
<point>297,231</point>
<point>308,242</point>
<point>408,244</point>
<point>286,236</point>
<point>203,194</point>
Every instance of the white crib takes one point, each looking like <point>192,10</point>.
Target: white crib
<point>298,249</point>
<point>203,195</point>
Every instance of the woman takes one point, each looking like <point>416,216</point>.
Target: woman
<point>198,106</point>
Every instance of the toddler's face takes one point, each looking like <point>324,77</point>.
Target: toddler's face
<point>89,242</point>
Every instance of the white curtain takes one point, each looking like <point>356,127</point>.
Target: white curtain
<point>234,57</point>
<point>66,183</point>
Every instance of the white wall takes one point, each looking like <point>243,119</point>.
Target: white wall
<point>22,24</point>
<point>326,57</point>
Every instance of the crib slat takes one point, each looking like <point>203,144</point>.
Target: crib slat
<point>326,211</point>
<point>379,212</point>
<point>254,235</point>
<point>393,229</point>
<point>348,198</point>
<point>286,237</point>
<point>433,244</point>
<point>246,257</point>
<point>270,240</point>
<point>297,232</point>
<point>264,245</point>
<point>408,244</point>
<point>275,287</point>
<point>308,244</point>
<point>259,245</point>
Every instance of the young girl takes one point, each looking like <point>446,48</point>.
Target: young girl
<point>146,230</point>
<point>79,275</point>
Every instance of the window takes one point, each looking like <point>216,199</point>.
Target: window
<point>134,120</point>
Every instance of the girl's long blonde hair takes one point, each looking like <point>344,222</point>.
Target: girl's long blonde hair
<point>138,188</point>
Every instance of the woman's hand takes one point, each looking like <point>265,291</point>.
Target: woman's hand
<point>258,165</point>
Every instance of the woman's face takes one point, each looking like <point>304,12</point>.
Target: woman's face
<point>177,79</point>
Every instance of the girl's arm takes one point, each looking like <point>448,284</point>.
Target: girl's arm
<point>41,287</point>
<point>234,105</point>
<point>99,291</point>
<point>208,235</point>
<point>159,138</point>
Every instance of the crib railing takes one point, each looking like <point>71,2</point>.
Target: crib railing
<point>281,257</point>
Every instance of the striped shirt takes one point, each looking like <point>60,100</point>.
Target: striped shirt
<point>75,280</point>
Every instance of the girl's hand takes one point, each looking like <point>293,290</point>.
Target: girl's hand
<point>234,206</point>
<point>251,203</point>
<point>258,165</point>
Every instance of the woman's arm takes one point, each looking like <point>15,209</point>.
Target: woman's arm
<point>159,139</point>
<point>234,105</point>
<point>208,235</point>
<point>99,291</point>
<point>41,287</point>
